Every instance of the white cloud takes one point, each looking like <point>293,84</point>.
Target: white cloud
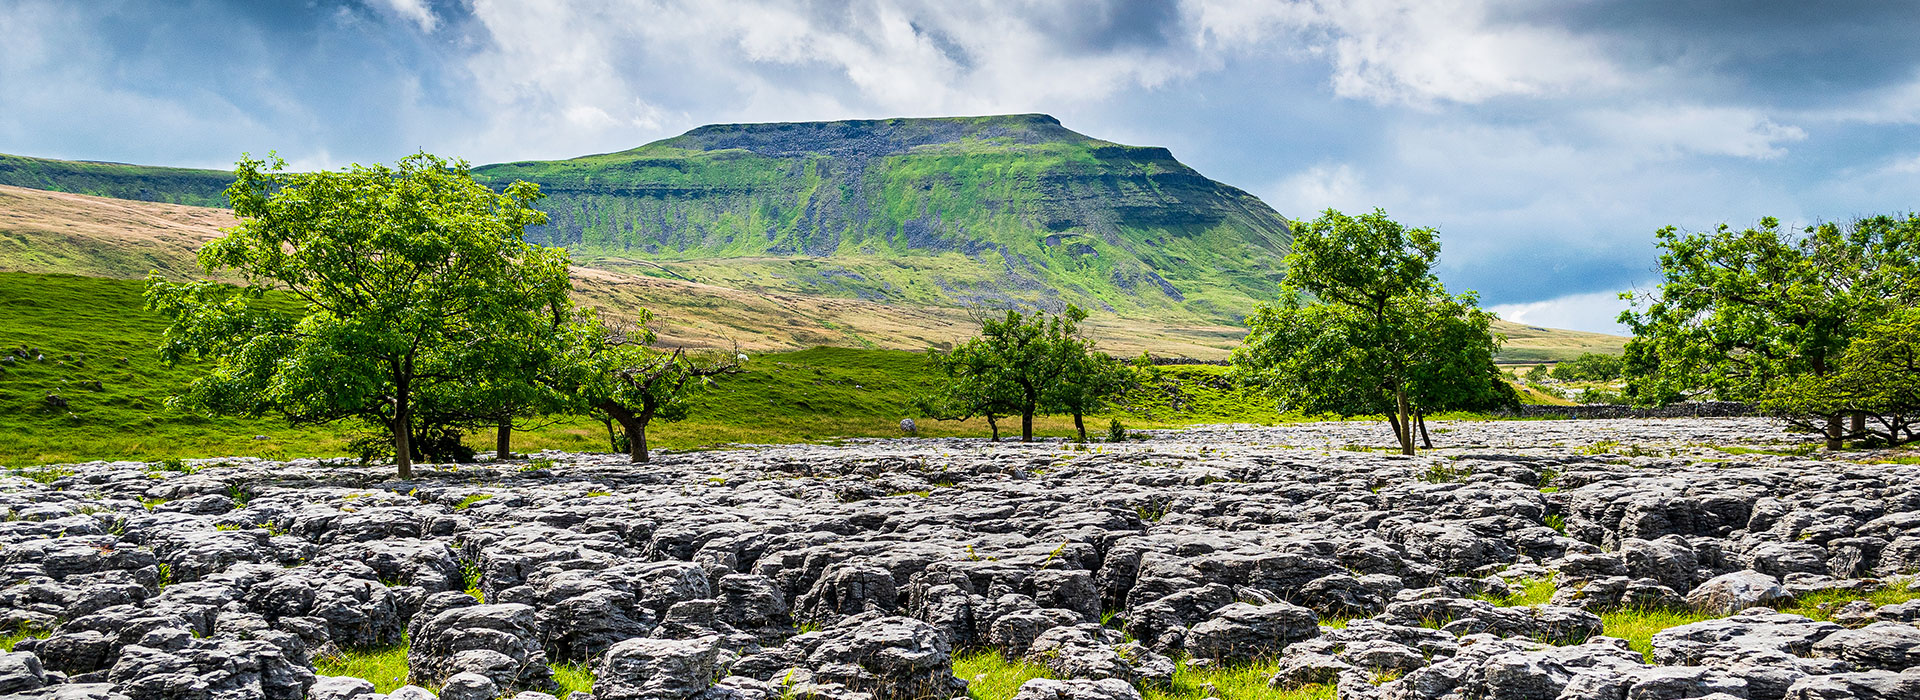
<point>1679,129</point>
<point>415,11</point>
<point>1321,187</point>
<point>1594,311</point>
<point>1422,51</point>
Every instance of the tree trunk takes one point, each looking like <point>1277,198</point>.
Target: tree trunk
<point>1421,420</point>
<point>1834,434</point>
<point>1026,425</point>
<point>1393,421</point>
<point>1406,422</point>
<point>613,443</point>
<point>1859,425</point>
<point>1080,426</point>
<point>503,439</point>
<point>993,422</point>
<point>637,443</point>
<point>402,437</point>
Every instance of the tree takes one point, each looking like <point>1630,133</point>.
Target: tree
<point>1364,328</point>
<point>971,386</point>
<point>1087,380</point>
<point>1877,378</point>
<point>1741,313</point>
<point>1588,367</point>
<point>405,273</point>
<point>1013,366</point>
<point>617,373</point>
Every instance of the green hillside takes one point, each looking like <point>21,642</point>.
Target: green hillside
<point>206,188</point>
<point>947,211</point>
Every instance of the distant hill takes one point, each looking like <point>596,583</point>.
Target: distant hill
<point>945,211</point>
<point>206,188</point>
<point>856,233</point>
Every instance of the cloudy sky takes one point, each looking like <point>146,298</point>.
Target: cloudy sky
<point>1546,139</point>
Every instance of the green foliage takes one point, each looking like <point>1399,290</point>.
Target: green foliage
<point>471,499</point>
<point>1750,313</point>
<point>1364,328</point>
<point>801,396</point>
<point>614,371</point>
<point>1533,591</point>
<point>418,291</point>
<point>1588,367</point>
<point>1877,376</point>
<point>1025,364</point>
<point>1116,432</point>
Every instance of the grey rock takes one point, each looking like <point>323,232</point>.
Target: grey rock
<point>1886,646</point>
<point>657,669</point>
<point>1241,631</point>
<point>891,657</point>
<point>339,688</point>
<point>501,642</point>
<point>468,685</point>
<point>1047,689</point>
<point>1733,592</point>
<point>1867,685</point>
<point>20,672</point>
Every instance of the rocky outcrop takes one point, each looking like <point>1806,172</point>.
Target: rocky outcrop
<point>853,572</point>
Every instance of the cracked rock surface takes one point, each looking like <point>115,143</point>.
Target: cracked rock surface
<point>856,572</point>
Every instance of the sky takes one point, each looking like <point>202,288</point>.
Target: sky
<point>1546,140</point>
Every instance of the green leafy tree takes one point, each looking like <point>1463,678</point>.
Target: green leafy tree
<point>1364,328</point>
<point>971,385</point>
<point>1740,313</point>
<point>615,370</point>
<point>1087,381</point>
<point>1877,378</point>
<point>1588,367</point>
<point>405,273</point>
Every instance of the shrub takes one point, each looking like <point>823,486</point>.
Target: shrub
<point>1116,432</point>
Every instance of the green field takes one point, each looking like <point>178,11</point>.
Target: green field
<point>67,332</point>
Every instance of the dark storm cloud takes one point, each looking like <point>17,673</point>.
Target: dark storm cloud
<point>1782,53</point>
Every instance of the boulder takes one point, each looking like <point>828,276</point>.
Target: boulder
<point>1241,631</point>
<point>1729,593</point>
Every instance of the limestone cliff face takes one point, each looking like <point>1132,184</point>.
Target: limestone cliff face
<point>939,211</point>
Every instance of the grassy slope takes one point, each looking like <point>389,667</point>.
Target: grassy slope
<point>205,188</point>
<point>93,329</point>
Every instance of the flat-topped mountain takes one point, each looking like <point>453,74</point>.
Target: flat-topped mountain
<point>944,211</point>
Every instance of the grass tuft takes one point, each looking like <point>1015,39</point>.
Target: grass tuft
<point>22,633</point>
<point>1638,626</point>
<point>386,666</point>
<point>991,676</point>
<point>573,677</point>
<point>1533,591</point>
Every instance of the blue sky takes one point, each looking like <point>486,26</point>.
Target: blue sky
<point>1546,139</point>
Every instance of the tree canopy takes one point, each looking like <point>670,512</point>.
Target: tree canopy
<point>616,371</point>
<point>1363,327</point>
<point>1025,364</point>
<point>415,280</point>
<point>1740,314</point>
